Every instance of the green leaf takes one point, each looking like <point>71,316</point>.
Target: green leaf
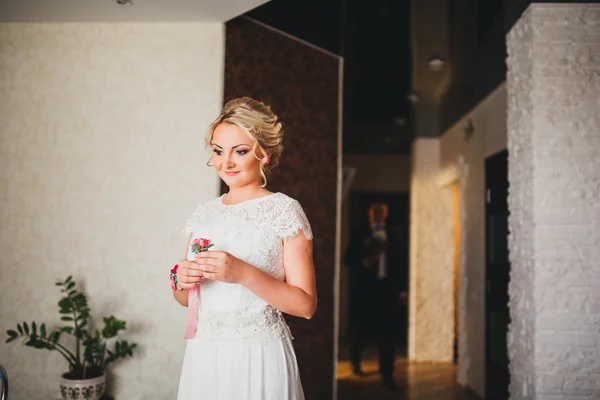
<point>67,329</point>
<point>34,328</point>
<point>54,337</point>
<point>80,298</point>
<point>64,303</point>
<point>38,344</point>
<point>12,335</point>
<point>70,285</point>
<point>66,318</point>
<point>26,328</point>
<point>69,278</point>
<point>112,326</point>
<point>43,330</point>
<point>11,339</point>
<point>20,329</point>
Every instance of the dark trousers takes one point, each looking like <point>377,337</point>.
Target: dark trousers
<point>372,305</point>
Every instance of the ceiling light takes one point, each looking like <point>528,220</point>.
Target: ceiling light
<point>412,98</point>
<point>400,120</point>
<point>436,63</point>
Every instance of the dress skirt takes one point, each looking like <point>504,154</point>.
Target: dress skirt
<point>240,371</point>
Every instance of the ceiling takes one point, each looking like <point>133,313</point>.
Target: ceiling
<point>110,11</point>
<point>373,37</point>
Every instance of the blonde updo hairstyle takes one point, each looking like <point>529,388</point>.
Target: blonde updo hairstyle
<point>262,126</point>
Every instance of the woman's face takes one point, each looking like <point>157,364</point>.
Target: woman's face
<point>233,156</point>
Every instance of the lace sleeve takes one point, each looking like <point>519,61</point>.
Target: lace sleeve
<point>292,220</point>
<point>193,220</point>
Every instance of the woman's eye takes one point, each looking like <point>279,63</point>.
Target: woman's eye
<point>242,152</point>
<point>217,152</point>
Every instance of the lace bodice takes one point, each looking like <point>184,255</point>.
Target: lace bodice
<point>253,231</point>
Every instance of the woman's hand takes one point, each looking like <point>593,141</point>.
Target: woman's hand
<point>221,266</point>
<point>188,274</point>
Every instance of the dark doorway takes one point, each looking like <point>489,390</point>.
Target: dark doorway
<point>497,277</point>
<point>398,220</point>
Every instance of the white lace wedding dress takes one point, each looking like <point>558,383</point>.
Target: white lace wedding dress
<point>242,348</point>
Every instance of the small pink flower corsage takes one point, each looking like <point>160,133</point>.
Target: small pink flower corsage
<point>201,245</point>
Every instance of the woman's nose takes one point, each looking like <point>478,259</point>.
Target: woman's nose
<point>228,161</point>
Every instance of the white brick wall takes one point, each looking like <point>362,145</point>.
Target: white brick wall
<point>554,171</point>
<point>431,319</point>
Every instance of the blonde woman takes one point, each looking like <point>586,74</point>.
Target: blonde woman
<point>259,264</point>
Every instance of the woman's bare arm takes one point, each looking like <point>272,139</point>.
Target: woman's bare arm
<point>298,294</point>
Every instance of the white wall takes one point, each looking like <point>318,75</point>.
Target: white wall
<point>488,137</point>
<point>101,162</point>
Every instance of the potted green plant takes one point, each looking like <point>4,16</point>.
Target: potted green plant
<point>85,379</point>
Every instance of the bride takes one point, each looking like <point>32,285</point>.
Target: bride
<point>259,264</point>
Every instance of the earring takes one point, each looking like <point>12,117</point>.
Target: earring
<point>268,161</point>
<point>208,162</point>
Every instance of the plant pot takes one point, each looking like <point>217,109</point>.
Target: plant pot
<point>82,389</point>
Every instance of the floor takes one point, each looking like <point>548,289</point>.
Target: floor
<point>415,382</point>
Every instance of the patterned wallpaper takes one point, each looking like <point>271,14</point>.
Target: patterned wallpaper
<point>101,163</point>
<point>301,84</point>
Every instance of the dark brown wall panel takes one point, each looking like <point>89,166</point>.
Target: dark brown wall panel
<point>301,85</point>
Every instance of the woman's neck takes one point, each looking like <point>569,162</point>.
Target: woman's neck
<point>240,194</point>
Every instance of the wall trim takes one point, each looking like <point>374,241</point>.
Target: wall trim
<point>338,227</point>
<point>290,36</point>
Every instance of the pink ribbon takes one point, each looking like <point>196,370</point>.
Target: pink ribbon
<point>192,323</point>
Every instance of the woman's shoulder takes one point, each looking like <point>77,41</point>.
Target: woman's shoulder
<point>282,203</point>
<point>284,198</point>
<point>288,215</point>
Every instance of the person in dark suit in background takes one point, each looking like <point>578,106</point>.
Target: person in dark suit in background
<point>375,285</point>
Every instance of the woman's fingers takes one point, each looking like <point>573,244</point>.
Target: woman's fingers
<point>190,279</point>
<point>191,276</point>
<point>186,286</point>
<point>209,266</point>
<point>191,282</point>
<point>211,275</point>
<point>209,254</point>
<point>192,272</point>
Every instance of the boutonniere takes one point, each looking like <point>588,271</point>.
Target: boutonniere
<point>201,245</point>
